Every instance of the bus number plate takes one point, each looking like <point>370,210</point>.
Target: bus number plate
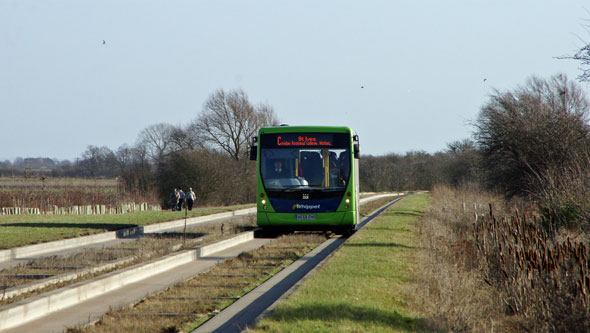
<point>305,217</point>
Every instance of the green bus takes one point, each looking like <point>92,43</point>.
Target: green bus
<point>307,178</point>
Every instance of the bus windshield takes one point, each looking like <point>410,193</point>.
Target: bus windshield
<point>305,168</point>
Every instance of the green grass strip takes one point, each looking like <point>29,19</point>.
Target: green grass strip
<point>21,230</point>
<point>366,286</point>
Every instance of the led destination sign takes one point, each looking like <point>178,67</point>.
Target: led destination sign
<point>303,140</point>
<point>307,140</point>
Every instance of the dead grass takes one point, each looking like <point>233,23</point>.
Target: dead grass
<point>499,270</point>
<point>453,293</point>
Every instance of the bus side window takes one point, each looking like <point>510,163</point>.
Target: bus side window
<point>334,169</point>
<point>344,164</point>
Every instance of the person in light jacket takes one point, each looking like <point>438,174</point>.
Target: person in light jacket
<point>190,198</point>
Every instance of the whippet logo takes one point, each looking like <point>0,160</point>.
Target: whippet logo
<point>306,207</point>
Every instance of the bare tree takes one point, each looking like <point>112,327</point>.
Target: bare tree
<point>156,139</point>
<point>229,120</point>
<point>583,56</point>
<point>135,169</point>
<point>98,162</point>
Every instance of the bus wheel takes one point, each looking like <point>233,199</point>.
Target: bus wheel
<point>347,232</point>
<point>268,233</point>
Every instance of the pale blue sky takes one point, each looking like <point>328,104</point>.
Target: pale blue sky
<point>422,65</point>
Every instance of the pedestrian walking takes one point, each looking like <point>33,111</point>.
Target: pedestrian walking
<point>174,196</point>
<point>181,198</point>
<point>190,198</point>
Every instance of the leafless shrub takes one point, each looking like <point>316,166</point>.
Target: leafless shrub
<point>522,132</point>
<point>563,192</point>
<point>217,179</point>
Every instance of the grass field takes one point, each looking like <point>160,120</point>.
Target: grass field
<point>367,286</point>
<point>20,230</point>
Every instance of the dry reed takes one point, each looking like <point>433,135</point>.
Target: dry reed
<point>484,272</point>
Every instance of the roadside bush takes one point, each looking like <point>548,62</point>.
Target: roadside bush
<point>216,178</point>
<point>563,192</point>
<point>521,133</point>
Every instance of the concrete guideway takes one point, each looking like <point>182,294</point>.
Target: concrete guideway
<point>58,301</point>
<point>260,301</point>
<point>380,196</point>
<point>37,307</point>
<point>50,248</point>
<point>241,313</point>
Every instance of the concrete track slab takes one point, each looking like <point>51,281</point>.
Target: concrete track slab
<point>23,261</point>
<point>93,309</point>
<point>15,256</point>
<point>263,299</point>
<point>82,246</point>
<point>49,248</point>
<point>237,316</point>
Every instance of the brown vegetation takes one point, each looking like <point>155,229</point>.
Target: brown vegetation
<point>490,267</point>
<point>65,192</point>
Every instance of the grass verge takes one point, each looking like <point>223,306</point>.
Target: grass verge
<point>366,286</point>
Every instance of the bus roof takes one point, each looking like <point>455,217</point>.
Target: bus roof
<point>305,129</point>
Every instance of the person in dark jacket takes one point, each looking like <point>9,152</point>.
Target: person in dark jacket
<point>180,198</point>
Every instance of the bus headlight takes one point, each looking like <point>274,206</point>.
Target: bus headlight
<point>263,202</point>
<point>347,200</point>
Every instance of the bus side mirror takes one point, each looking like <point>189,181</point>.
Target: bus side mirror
<point>253,148</point>
<point>357,151</point>
<point>253,153</point>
